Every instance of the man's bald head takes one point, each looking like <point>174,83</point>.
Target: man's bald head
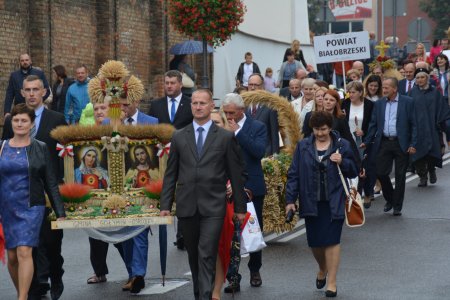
<point>422,64</point>
<point>295,87</point>
<point>358,65</point>
<point>301,74</point>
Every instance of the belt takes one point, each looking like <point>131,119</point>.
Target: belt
<point>390,138</point>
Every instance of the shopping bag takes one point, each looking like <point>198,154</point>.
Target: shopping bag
<point>252,239</point>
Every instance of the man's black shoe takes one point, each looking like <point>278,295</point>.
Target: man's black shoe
<point>56,290</point>
<point>433,177</point>
<point>423,182</point>
<point>232,288</point>
<point>397,213</point>
<point>387,207</point>
<point>179,243</point>
<point>44,288</point>
<point>137,285</point>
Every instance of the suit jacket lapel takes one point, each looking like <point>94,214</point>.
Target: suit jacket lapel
<point>42,124</point>
<point>190,137</point>
<point>209,138</point>
<point>181,107</point>
<point>165,110</point>
<point>259,111</point>
<point>382,114</point>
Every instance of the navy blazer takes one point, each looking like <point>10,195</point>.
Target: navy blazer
<point>406,123</point>
<point>270,118</point>
<point>252,139</point>
<point>402,86</point>
<point>141,119</point>
<point>303,176</point>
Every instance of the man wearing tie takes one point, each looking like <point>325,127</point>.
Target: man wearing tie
<point>405,85</point>
<point>175,109</point>
<point>264,114</point>
<point>203,157</point>
<point>393,132</point>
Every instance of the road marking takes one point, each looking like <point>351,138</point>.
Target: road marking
<point>155,287</point>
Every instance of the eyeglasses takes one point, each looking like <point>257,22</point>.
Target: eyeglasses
<point>254,85</point>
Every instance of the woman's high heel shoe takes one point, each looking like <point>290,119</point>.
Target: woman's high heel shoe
<point>331,294</point>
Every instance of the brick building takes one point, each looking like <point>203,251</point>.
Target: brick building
<point>89,32</point>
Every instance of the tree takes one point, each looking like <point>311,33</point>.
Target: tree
<point>314,7</point>
<point>438,11</point>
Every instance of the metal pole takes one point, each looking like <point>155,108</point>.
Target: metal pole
<point>394,28</point>
<point>382,20</point>
<point>205,79</point>
<point>325,17</point>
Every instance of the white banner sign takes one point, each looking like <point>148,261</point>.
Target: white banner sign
<point>341,47</point>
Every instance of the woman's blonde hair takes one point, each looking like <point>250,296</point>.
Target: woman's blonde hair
<point>222,116</point>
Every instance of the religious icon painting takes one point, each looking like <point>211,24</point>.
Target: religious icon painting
<point>141,165</point>
<point>91,166</point>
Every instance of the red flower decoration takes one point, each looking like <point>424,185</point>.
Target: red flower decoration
<point>153,189</point>
<point>75,192</point>
<point>213,21</point>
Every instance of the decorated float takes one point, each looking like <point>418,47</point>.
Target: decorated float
<point>113,173</point>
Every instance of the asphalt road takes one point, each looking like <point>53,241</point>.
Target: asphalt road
<point>405,257</point>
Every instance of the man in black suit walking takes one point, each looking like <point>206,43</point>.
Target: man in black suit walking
<point>264,114</point>
<point>202,158</point>
<point>251,135</point>
<point>175,109</point>
<point>47,256</point>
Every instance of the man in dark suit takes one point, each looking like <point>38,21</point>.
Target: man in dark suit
<point>264,114</point>
<point>393,131</point>
<point>174,108</point>
<point>202,158</point>
<point>47,256</point>
<point>13,92</point>
<point>405,85</point>
<point>251,135</point>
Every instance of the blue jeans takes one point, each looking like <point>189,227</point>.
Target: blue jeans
<point>135,252</point>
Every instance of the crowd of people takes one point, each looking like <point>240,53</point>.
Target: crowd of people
<point>378,121</point>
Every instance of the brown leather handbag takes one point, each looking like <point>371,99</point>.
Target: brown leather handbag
<point>354,209</point>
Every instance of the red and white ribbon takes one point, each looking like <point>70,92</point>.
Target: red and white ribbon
<point>163,149</point>
<point>63,151</point>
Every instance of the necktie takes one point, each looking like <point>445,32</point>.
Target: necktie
<point>409,86</point>
<point>200,140</point>
<point>33,131</point>
<point>172,111</point>
<point>130,121</point>
<point>254,108</point>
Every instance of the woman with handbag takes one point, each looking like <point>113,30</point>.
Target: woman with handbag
<point>25,173</point>
<point>313,178</point>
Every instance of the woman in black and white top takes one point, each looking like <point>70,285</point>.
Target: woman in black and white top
<point>358,112</point>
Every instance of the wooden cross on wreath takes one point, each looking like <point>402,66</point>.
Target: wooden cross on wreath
<point>381,47</point>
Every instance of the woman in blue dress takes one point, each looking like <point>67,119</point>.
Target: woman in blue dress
<point>25,173</point>
<point>313,178</point>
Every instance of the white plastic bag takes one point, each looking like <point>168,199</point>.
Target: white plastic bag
<point>252,239</point>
